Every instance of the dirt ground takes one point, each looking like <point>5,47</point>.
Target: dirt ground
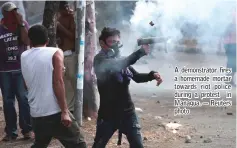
<point>205,127</point>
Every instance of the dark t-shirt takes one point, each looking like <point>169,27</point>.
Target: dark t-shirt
<point>10,50</point>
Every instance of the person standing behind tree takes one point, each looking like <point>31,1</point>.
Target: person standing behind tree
<point>13,41</point>
<point>66,37</point>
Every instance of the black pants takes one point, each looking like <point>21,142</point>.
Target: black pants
<point>45,128</point>
<point>128,126</point>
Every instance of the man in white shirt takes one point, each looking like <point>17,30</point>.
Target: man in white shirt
<point>42,69</point>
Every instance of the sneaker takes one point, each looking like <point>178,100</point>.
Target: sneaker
<point>29,135</point>
<point>8,138</point>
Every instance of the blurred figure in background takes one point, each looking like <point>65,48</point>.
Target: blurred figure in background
<point>229,41</point>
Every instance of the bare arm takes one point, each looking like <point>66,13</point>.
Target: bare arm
<point>23,29</point>
<point>58,83</point>
<point>24,34</point>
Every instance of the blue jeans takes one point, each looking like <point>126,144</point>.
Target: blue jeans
<point>128,126</point>
<point>12,85</point>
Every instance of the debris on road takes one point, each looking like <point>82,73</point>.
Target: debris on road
<point>188,139</point>
<point>138,110</point>
<point>229,113</point>
<point>145,138</point>
<point>158,117</point>
<point>208,140</point>
<point>172,127</point>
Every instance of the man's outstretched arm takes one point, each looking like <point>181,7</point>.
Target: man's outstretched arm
<point>142,77</point>
<point>103,64</point>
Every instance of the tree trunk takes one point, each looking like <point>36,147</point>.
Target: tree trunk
<point>49,20</point>
<point>90,90</point>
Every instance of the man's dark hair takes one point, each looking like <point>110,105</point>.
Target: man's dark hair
<point>38,35</point>
<point>107,32</point>
<point>63,4</point>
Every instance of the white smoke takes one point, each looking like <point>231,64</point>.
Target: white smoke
<point>210,17</point>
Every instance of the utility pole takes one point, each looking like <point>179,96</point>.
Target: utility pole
<point>80,47</point>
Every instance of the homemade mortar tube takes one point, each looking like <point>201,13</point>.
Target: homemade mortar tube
<point>151,40</point>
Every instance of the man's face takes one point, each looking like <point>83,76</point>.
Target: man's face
<point>65,10</point>
<point>9,14</point>
<point>10,17</point>
<point>110,41</point>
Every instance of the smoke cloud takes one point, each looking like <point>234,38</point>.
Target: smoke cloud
<point>205,21</point>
